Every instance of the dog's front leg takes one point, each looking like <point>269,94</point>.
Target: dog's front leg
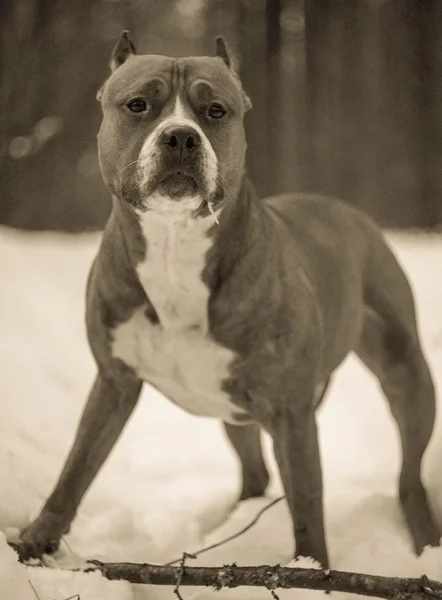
<point>297,454</point>
<point>109,406</point>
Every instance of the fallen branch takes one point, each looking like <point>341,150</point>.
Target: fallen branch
<point>273,577</point>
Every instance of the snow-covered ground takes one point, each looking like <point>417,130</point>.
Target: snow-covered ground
<point>171,482</point>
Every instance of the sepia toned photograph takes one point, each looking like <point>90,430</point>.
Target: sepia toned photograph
<point>221,302</point>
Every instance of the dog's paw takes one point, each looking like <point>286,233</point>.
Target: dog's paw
<point>40,537</point>
<point>254,484</point>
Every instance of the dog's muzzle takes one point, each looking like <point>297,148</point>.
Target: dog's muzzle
<point>181,162</point>
<point>177,161</point>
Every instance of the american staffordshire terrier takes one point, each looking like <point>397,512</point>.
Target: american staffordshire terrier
<point>234,307</point>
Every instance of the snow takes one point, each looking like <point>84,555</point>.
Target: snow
<point>171,482</point>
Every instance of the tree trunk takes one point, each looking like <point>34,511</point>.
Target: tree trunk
<point>375,134</point>
<point>53,57</point>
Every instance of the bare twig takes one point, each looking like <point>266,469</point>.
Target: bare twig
<point>270,577</point>
<point>33,589</point>
<point>273,577</point>
<point>235,535</point>
<point>74,597</point>
<point>181,574</point>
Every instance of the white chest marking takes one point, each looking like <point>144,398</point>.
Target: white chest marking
<point>177,356</point>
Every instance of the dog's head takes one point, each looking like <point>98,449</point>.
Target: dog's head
<point>172,135</point>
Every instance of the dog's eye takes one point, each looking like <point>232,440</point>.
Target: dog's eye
<point>137,105</point>
<point>216,111</point>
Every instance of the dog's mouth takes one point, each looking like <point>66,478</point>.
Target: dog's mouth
<point>179,184</point>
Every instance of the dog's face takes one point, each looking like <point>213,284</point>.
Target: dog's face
<point>172,134</point>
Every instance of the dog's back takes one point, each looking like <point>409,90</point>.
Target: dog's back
<point>350,265</point>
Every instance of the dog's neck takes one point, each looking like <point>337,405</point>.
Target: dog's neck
<point>171,272</point>
<point>195,271</point>
<point>230,231</point>
<point>240,229</point>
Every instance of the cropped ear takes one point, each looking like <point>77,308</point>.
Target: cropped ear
<point>223,52</point>
<point>123,49</point>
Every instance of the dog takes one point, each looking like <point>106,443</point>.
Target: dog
<point>232,306</point>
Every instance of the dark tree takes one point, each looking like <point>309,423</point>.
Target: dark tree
<point>53,59</point>
<point>346,99</point>
<point>373,78</point>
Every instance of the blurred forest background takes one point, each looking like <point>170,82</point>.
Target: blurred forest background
<point>347,99</point>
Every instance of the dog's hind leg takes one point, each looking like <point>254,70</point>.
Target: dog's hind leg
<point>108,408</point>
<point>391,350</point>
<point>246,441</point>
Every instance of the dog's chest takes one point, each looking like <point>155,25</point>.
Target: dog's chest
<point>177,355</point>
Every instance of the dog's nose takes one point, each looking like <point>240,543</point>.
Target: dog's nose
<point>181,140</point>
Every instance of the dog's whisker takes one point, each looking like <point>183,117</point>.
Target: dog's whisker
<point>212,212</point>
<point>133,162</point>
<point>221,186</point>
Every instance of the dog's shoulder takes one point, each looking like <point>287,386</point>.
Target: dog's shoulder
<point>314,217</point>
<point>316,207</point>
<point>113,290</point>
